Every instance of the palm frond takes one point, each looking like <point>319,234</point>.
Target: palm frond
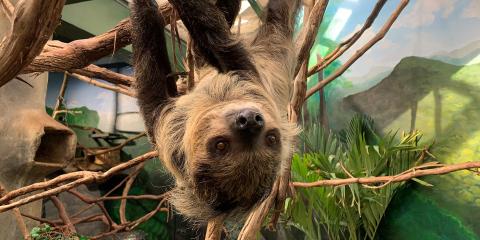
<point>351,211</point>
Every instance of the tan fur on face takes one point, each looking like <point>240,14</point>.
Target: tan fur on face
<point>243,176</point>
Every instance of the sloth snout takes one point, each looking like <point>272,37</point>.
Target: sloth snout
<point>248,121</point>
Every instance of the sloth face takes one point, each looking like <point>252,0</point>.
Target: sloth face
<point>233,151</point>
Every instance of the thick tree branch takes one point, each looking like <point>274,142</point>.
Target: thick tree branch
<point>309,32</point>
<point>379,36</point>
<point>80,53</point>
<point>33,24</point>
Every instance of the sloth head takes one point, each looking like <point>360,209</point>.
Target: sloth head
<point>232,143</point>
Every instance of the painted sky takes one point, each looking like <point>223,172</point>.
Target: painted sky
<point>425,28</point>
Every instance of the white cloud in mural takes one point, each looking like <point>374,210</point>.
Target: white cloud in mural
<point>424,12</point>
<point>472,10</point>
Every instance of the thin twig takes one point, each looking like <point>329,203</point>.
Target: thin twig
<point>126,189</point>
<point>392,179</point>
<point>18,217</point>
<point>62,213</point>
<point>379,36</point>
<point>344,46</point>
<point>81,177</point>
<point>215,228</point>
<point>122,145</point>
<point>8,8</point>
<point>99,84</point>
<point>61,95</point>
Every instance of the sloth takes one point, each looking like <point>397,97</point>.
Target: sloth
<point>227,140</point>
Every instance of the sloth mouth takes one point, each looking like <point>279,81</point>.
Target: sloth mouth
<point>239,190</point>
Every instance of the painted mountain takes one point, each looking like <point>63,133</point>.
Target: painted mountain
<point>410,81</point>
<point>442,100</point>
<point>470,54</point>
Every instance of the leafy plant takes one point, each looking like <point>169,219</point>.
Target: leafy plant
<point>349,211</point>
<point>46,232</point>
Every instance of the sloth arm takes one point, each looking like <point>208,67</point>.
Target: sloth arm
<point>151,62</point>
<point>230,9</point>
<point>210,31</point>
<point>277,29</point>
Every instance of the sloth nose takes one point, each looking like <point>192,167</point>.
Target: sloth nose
<point>249,120</point>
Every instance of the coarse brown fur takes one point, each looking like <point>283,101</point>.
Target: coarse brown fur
<point>254,75</point>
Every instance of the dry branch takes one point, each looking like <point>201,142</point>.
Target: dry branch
<point>309,32</point>
<point>379,36</point>
<point>62,213</point>
<point>8,8</point>
<point>344,46</point>
<point>438,170</point>
<point>33,24</point>
<point>215,228</point>
<point>18,217</point>
<point>61,96</point>
<point>126,189</point>
<point>93,71</point>
<point>115,88</point>
<point>80,53</point>
<point>74,179</point>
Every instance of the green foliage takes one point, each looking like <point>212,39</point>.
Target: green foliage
<point>46,232</point>
<point>81,116</point>
<point>350,211</point>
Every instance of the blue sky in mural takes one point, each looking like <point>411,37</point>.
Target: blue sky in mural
<point>425,28</point>
<point>80,94</point>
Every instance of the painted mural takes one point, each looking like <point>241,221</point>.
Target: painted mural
<point>425,75</point>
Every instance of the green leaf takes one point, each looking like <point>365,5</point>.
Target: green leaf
<point>424,183</point>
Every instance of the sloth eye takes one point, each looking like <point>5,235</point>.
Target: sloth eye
<point>221,145</point>
<point>218,146</point>
<point>271,139</point>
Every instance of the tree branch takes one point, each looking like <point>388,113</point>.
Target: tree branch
<point>309,32</point>
<point>8,8</point>
<point>74,179</point>
<point>361,51</point>
<point>94,71</point>
<point>80,53</point>
<point>62,213</point>
<point>344,46</point>
<point>96,83</point>
<point>436,170</point>
<point>34,23</point>
<point>215,228</point>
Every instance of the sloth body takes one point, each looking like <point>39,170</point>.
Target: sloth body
<point>226,141</point>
